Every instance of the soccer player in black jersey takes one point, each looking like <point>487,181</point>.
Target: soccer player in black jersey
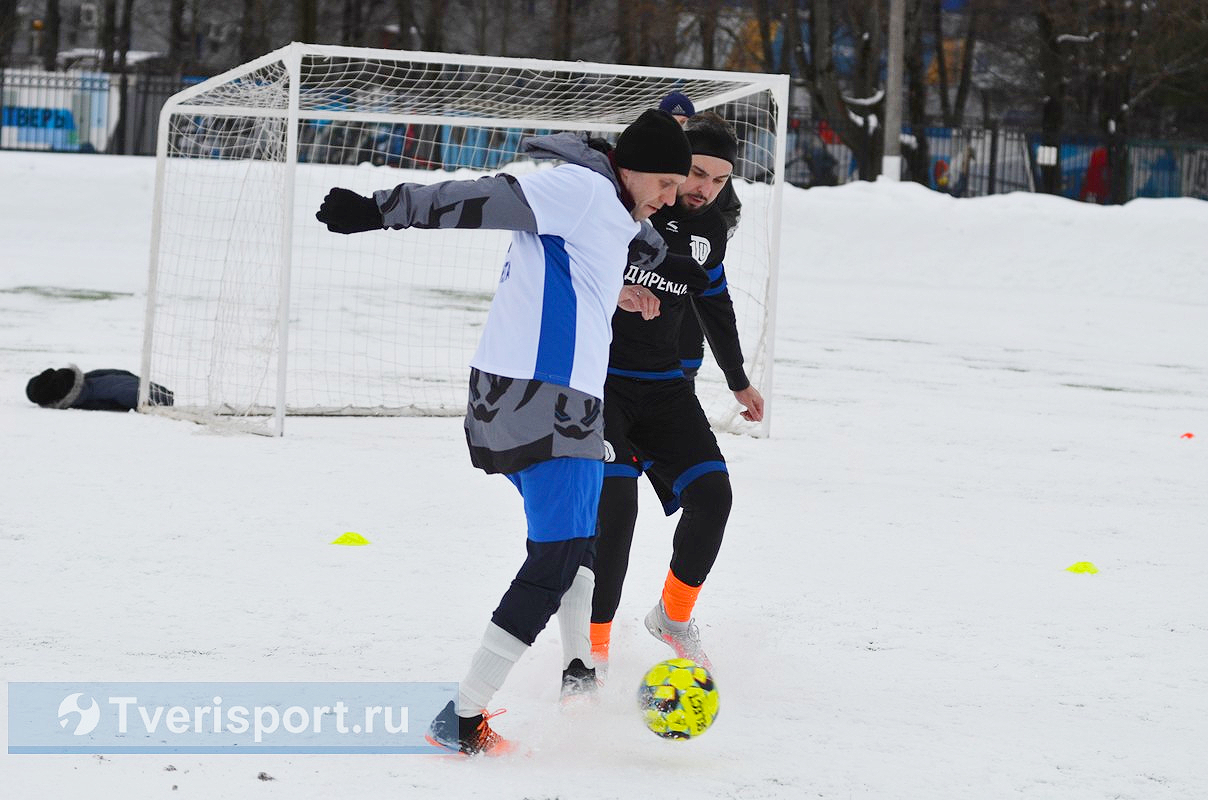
<point>653,421</point>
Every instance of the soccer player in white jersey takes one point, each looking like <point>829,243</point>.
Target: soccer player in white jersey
<point>537,379</point>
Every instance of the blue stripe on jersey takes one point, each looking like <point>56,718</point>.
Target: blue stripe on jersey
<point>556,346</point>
<point>692,473</point>
<point>691,363</point>
<point>715,274</point>
<point>647,376</point>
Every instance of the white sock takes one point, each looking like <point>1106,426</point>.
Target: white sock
<point>489,668</point>
<point>574,619</point>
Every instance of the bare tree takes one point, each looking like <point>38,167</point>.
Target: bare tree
<point>562,33</point>
<point>253,30</point>
<point>307,19</point>
<point>849,109</point>
<point>765,10</point>
<point>176,34</point>
<point>433,33</point>
<point>918,157</point>
<point>626,52</point>
<point>707,13</point>
<point>352,27</point>
<point>8,31</point>
<point>52,25</point>
<point>485,17</point>
<point>953,112</point>
<point>406,24</point>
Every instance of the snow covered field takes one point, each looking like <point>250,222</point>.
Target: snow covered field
<point>970,397</point>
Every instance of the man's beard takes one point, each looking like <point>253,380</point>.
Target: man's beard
<point>680,205</point>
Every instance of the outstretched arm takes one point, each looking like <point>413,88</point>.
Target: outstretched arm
<point>496,202</point>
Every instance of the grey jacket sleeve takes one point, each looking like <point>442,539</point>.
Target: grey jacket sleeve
<point>647,250</point>
<point>496,202</point>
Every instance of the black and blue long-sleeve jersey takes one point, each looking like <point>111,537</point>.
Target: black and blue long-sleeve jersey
<point>650,349</point>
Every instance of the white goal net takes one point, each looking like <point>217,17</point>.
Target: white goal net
<point>255,311</point>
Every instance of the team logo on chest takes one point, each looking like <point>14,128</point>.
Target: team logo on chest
<point>700,249</point>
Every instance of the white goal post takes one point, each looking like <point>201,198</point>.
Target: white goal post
<point>255,311</point>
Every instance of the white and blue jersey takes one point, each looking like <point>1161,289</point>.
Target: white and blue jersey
<point>537,378</point>
<point>551,316</point>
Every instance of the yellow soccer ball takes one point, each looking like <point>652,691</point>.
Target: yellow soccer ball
<point>678,699</point>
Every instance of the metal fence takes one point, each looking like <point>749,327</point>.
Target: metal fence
<point>99,112</point>
<point>90,112</point>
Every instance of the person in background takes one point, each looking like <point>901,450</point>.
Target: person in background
<point>96,390</point>
<point>678,105</point>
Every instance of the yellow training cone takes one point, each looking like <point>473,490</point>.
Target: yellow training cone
<point>351,538</point>
<point>1083,566</point>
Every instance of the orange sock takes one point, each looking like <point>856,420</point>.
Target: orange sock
<point>601,632</point>
<point>678,598</point>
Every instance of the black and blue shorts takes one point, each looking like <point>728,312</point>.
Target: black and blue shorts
<point>657,427</point>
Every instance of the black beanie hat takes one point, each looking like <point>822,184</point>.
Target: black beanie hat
<point>51,386</point>
<point>712,137</point>
<point>655,142</point>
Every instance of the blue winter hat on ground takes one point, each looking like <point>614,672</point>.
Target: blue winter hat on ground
<point>677,104</point>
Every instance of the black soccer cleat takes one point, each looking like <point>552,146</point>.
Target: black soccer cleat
<point>468,735</point>
<point>579,682</point>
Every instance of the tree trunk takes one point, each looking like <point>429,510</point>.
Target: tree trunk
<point>505,26</point>
<point>918,158</point>
<point>644,21</point>
<point>405,16</point>
<point>119,144</point>
<point>763,18</point>
<point>626,49</point>
<point>51,31</point>
<point>307,22</point>
<point>1122,26</point>
<point>434,27</point>
<point>706,21</point>
<point>1052,77</point>
<point>8,32</point>
<point>253,40</point>
<point>821,78</point>
<point>352,27</point>
<point>563,30</point>
<point>108,32</point>
<point>176,35</point>
<point>966,79</point>
<point>867,29</point>
<point>941,61</point>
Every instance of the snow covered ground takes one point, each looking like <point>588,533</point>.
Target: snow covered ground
<point>971,396</point>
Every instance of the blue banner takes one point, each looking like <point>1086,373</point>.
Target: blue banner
<point>223,717</point>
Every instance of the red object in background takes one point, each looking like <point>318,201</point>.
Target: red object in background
<point>826,133</point>
<point>1187,436</point>
<point>1095,185</point>
<point>939,174</point>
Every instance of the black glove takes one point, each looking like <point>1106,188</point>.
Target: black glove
<point>344,211</point>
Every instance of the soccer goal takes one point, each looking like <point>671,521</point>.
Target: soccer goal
<point>255,311</point>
